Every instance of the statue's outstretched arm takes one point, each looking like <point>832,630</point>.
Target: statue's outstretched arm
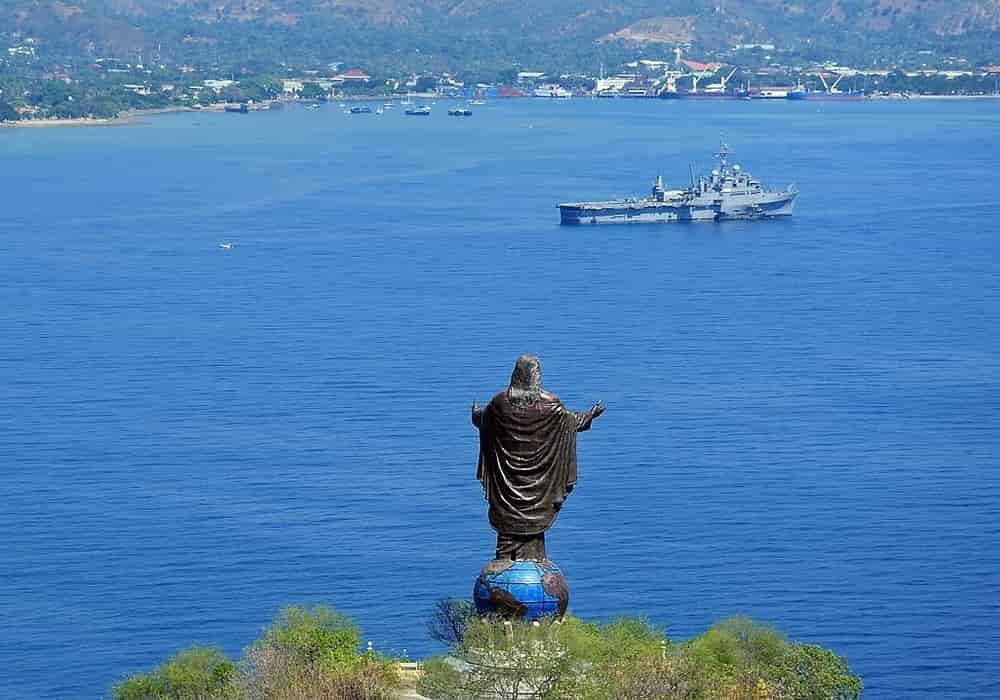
<point>583,420</point>
<point>477,414</point>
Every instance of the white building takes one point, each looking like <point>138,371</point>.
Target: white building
<point>290,86</point>
<point>218,85</point>
<point>527,76</point>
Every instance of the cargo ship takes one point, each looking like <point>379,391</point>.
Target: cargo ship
<point>728,193</point>
<point>553,91</point>
<point>830,92</point>
<point>776,92</point>
<point>713,91</point>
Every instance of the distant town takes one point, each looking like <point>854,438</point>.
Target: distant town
<point>34,88</point>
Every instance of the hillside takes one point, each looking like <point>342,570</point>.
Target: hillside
<point>453,33</point>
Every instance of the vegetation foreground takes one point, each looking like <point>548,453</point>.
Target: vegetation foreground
<point>314,654</point>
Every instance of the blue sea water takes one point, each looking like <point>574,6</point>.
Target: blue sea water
<point>803,421</point>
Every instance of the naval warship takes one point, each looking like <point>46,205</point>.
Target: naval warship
<point>728,193</point>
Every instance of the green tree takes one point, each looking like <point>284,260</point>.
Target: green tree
<point>553,659</point>
<point>233,93</point>
<point>628,659</point>
<point>198,673</point>
<point>815,673</point>
<point>502,660</point>
<point>312,91</point>
<point>450,619</point>
<point>312,652</point>
<point>426,83</point>
<point>315,634</point>
<point>261,87</point>
<point>8,113</point>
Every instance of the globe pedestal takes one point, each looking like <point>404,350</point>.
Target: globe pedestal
<point>522,589</point>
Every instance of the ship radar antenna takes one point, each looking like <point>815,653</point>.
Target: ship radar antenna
<point>723,154</point>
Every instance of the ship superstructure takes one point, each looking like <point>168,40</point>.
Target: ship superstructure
<point>728,193</point>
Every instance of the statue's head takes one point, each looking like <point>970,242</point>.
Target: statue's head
<point>526,380</point>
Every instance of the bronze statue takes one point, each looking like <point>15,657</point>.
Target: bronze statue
<point>527,459</point>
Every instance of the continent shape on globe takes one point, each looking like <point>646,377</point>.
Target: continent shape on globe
<point>525,589</point>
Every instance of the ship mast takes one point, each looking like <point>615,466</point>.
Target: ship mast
<point>723,156</point>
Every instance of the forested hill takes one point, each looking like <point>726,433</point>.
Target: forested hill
<point>438,34</point>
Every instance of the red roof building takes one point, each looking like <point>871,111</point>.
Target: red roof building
<point>355,74</point>
<point>699,67</point>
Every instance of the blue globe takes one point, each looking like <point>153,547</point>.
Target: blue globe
<point>527,590</point>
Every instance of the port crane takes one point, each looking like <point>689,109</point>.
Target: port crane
<point>830,89</point>
<point>719,86</point>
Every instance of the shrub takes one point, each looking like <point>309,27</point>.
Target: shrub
<point>450,619</point>
<point>199,673</point>
<point>308,653</point>
<point>666,678</point>
<point>311,653</point>
<point>497,659</point>
<point>278,673</point>
<point>737,659</point>
<point>815,673</point>
<point>745,660</point>
<point>314,634</point>
<point>550,659</point>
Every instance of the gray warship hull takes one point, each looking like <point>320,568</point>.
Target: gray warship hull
<point>649,211</point>
<point>730,193</point>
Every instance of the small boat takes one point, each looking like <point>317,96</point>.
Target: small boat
<point>312,106</point>
<point>227,245</point>
<point>460,112</point>
<point>477,102</point>
<point>421,111</point>
<point>362,109</point>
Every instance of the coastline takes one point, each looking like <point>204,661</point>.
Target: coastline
<point>125,118</point>
<point>47,123</point>
<point>134,116</point>
<point>951,97</point>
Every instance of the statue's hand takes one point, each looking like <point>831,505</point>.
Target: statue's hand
<point>597,409</point>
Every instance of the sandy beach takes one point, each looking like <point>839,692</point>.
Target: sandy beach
<point>125,118</point>
<point>44,123</point>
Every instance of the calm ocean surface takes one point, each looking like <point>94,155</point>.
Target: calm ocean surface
<point>803,421</point>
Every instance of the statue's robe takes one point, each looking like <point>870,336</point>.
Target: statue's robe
<point>527,461</point>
